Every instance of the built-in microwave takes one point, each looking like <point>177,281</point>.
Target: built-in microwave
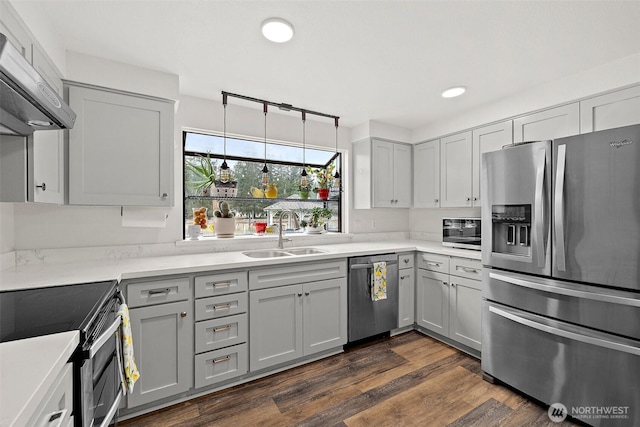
<point>462,233</point>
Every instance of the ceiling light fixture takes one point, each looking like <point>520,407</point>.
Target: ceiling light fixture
<point>454,91</point>
<point>277,30</point>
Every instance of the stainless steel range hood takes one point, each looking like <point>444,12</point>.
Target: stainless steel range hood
<point>28,102</point>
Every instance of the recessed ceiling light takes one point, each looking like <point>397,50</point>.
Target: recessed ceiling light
<point>277,30</point>
<point>453,92</point>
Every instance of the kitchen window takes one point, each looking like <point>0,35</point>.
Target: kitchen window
<point>246,159</point>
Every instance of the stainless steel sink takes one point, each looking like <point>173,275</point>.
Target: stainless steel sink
<point>305,251</point>
<point>274,253</point>
<point>266,253</point>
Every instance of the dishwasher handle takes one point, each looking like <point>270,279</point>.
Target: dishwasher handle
<point>368,266</point>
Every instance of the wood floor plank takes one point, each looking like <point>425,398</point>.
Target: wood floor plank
<point>490,413</point>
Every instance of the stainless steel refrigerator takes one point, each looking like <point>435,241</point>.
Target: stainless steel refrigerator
<point>561,297</point>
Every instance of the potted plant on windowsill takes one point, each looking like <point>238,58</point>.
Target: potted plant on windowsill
<point>203,174</point>
<point>303,191</point>
<point>224,221</point>
<point>324,179</point>
<point>314,223</point>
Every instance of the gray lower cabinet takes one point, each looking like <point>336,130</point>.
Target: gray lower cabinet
<point>163,347</point>
<point>161,311</point>
<point>289,322</point>
<point>221,328</point>
<point>449,298</point>
<point>406,288</point>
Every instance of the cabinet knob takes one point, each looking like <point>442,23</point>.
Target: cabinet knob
<point>453,285</point>
<point>43,186</point>
<point>307,293</point>
<point>406,260</point>
<point>164,196</point>
<point>475,199</point>
<point>299,294</point>
<point>435,200</point>
<point>468,199</point>
<point>445,283</point>
<point>183,314</point>
<point>402,277</point>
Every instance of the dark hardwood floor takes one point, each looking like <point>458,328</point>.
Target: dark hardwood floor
<point>406,380</point>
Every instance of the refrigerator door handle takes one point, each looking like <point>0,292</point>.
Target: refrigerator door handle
<point>615,299</point>
<point>539,220</point>
<point>558,207</point>
<point>587,339</point>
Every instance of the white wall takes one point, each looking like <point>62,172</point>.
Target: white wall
<point>6,228</point>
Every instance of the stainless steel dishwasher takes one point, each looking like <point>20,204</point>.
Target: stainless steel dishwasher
<point>367,317</point>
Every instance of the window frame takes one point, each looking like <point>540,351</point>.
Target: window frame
<point>336,157</point>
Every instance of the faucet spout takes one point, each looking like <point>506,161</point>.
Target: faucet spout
<point>294,219</point>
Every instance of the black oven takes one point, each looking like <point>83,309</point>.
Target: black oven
<point>91,309</point>
<point>462,233</point>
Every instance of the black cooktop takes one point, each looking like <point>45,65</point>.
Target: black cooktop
<point>41,311</point>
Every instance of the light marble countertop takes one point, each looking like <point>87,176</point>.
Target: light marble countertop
<point>28,369</point>
<point>55,274</point>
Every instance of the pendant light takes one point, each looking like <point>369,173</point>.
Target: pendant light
<point>336,177</point>
<point>224,168</point>
<point>303,176</point>
<point>265,170</point>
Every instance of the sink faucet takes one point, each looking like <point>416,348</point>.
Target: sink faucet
<point>294,218</point>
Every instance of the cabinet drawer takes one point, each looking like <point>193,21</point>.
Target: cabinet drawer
<point>224,305</point>
<point>216,366</point>
<point>463,267</point>
<point>220,284</point>
<point>433,262</point>
<point>58,402</point>
<point>218,333</point>
<point>296,274</point>
<point>157,292</point>
<point>405,261</point>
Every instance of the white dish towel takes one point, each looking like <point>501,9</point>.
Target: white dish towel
<point>379,281</point>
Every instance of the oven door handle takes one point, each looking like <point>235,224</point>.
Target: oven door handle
<point>104,337</point>
<point>600,342</point>
<point>112,410</point>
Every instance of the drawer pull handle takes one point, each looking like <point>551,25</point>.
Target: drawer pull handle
<point>434,264</point>
<point>183,314</point>
<point>445,283</point>
<point>402,277</point>
<point>221,284</point>
<point>222,306</point>
<point>222,328</point>
<point>406,260</point>
<point>222,359</point>
<point>159,291</point>
<point>468,270</point>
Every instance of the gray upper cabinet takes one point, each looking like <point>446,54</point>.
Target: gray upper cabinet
<point>615,109</point>
<point>455,172</point>
<point>548,124</point>
<point>120,149</point>
<point>382,174</point>
<point>486,139</point>
<point>426,174</point>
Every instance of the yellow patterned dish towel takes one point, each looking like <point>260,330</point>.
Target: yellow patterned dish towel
<point>128,369</point>
<point>379,281</point>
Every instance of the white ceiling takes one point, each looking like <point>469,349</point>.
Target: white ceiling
<point>362,60</point>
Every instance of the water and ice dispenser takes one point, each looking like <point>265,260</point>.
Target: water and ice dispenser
<point>511,226</point>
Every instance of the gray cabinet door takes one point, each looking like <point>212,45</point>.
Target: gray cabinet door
<point>406,312</point>
<point>114,132</point>
<point>275,326</point>
<point>163,347</point>
<point>433,301</point>
<point>465,301</point>
<point>325,315</point>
